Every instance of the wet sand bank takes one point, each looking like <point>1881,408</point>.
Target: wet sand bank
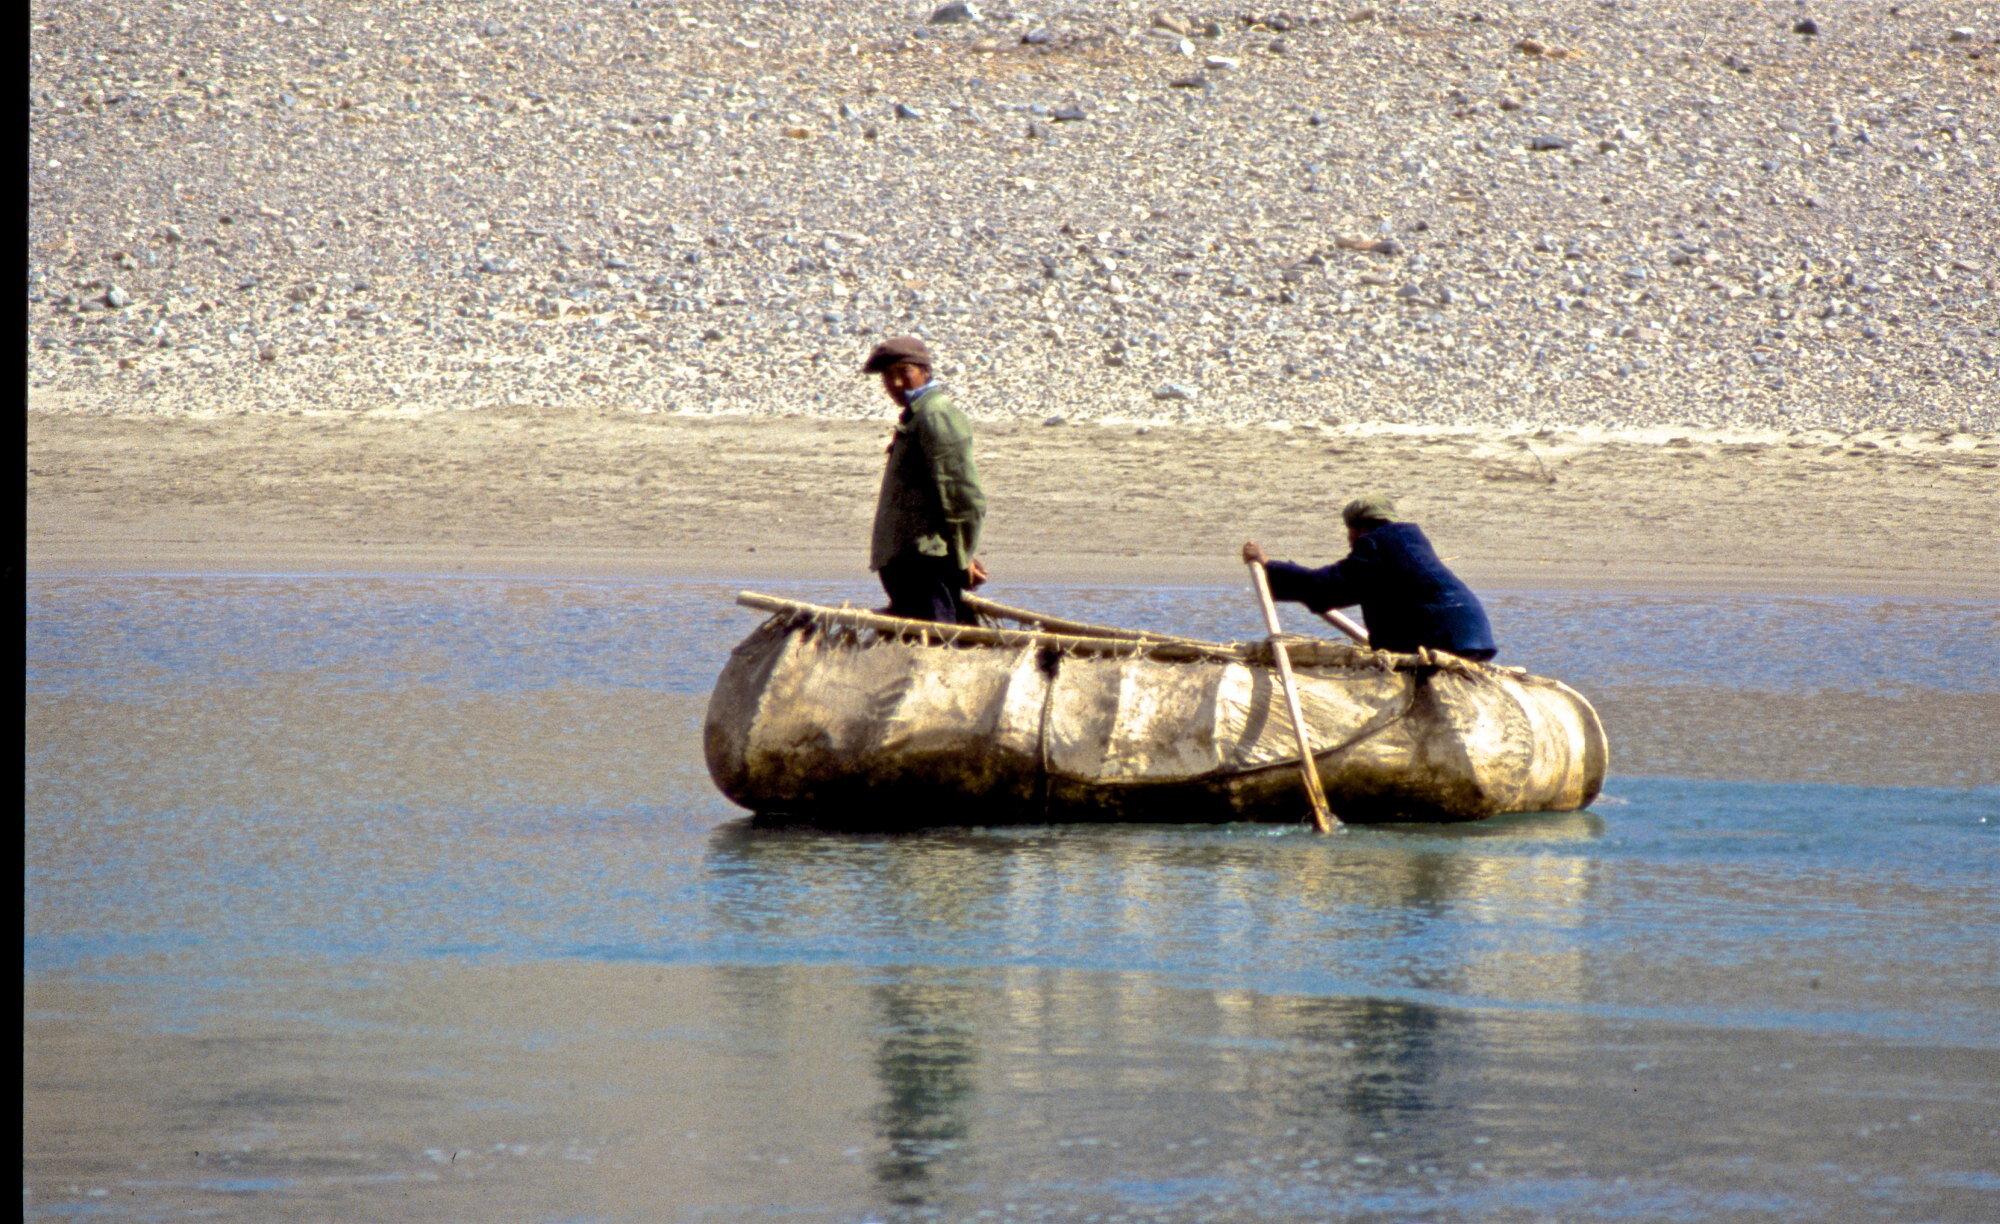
<point>765,499</point>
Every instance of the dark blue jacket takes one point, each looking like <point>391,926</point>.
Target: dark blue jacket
<point>1407,596</point>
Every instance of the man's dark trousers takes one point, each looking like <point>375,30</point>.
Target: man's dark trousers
<point>926,588</point>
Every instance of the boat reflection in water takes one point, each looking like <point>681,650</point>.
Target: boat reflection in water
<point>1120,1006</point>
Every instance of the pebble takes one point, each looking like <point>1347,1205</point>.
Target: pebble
<point>1806,26</point>
<point>1545,144</point>
<point>955,13</point>
<point>1174,392</point>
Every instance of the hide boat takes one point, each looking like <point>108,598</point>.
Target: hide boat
<point>847,718</point>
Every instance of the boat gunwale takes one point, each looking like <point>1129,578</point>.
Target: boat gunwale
<point>1308,653</point>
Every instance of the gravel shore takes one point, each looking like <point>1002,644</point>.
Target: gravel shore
<point>1614,214</point>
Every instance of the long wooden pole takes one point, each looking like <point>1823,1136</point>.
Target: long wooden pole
<point>1346,625</point>
<point>1323,819</point>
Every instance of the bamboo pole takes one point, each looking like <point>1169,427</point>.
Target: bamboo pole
<point>1075,628</point>
<point>1170,649</point>
<point>1346,625</point>
<point>1323,819</point>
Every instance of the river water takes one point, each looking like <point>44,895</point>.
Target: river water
<point>402,899</point>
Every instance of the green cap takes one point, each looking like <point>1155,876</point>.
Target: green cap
<point>1369,508</point>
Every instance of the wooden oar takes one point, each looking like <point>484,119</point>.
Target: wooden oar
<point>1347,626</point>
<point>1323,819</point>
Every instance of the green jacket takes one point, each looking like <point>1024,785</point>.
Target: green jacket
<point>931,503</point>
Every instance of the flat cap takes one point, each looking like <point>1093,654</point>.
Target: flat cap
<point>1369,508</point>
<point>895,349</point>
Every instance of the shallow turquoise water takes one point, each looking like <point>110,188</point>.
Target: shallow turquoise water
<point>410,899</point>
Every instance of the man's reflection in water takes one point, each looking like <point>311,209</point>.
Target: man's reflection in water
<point>1374,1059</point>
<point>1370,1074</point>
<point>926,1058</point>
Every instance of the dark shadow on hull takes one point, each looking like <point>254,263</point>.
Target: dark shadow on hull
<point>905,813</point>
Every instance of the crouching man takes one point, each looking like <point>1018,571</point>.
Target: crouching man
<point>1407,596</point>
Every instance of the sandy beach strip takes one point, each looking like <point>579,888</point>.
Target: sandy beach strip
<point>763,500</point>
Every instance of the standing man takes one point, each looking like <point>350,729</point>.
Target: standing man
<point>1407,596</point>
<point>927,518</point>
